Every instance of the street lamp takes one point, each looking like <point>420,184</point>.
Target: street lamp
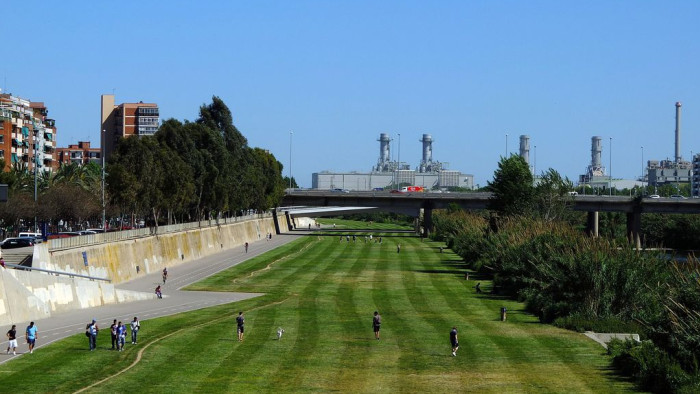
<point>506,145</point>
<point>642,168</point>
<point>290,158</point>
<point>610,169</point>
<point>398,172</point>
<point>104,212</point>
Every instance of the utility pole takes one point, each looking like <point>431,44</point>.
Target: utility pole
<point>104,209</point>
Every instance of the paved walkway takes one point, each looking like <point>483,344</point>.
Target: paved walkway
<point>174,301</point>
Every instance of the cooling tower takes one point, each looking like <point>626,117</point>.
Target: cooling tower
<point>595,151</point>
<point>384,141</point>
<point>525,148</point>
<point>427,148</point>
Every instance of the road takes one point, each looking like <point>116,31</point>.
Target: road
<point>174,301</point>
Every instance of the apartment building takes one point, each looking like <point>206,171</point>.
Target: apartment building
<point>125,120</point>
<point>27,134</point>
<point>80,154</point>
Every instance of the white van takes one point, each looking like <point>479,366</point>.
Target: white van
<point>30,235</point>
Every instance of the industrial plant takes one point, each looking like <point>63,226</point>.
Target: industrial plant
<point>390,174</point>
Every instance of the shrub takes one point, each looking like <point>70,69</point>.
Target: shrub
<point>653,368</point>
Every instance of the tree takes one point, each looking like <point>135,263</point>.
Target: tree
<point>552,195</point>
<point>285,180</point>
<point>512,188</point>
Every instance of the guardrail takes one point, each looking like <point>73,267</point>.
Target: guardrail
<point>115,236</point>
<point>57,273</point>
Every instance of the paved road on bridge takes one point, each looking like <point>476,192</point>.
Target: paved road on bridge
<point>174,301</point>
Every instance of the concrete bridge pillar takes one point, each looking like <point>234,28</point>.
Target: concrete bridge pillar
<point>634,228</point>
<point>593,224</point>
<point>427,221</point>
<point>289,220</point>
<point>276,221</point>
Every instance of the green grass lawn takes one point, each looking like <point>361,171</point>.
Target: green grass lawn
<point>323,292</point>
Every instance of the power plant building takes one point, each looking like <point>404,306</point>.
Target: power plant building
<point>388,173</point>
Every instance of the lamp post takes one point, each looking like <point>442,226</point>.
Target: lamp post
<point>35,183</point>
<point>104,211</point>
<point>291,133</point>
<point>398,171</point>
<point>506,145</point>
<point>610,169</point>
<point>643,169</point>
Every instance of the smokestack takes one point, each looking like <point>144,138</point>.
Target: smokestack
<point>384,148</point>
<point>595,151</point>
<point>678,132</point>
<point>525,148</point>
<point>427,141</point>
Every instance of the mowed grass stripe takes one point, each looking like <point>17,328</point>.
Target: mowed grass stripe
<point>337,286</point>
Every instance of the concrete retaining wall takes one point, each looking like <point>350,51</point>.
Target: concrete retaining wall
<point>32,295</point>
<point>124,260</point>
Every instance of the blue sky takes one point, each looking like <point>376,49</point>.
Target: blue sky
<point>339,73</point>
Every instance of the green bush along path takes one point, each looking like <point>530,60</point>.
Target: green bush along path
<point>323,292</point>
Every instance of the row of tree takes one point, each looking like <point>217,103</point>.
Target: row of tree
<point>187,171</point>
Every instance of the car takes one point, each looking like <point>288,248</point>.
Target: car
<point>17,242</point>
<point>678,197</point>
<point>340,191</point>
<point>654,196</point>
<point>396,191</point>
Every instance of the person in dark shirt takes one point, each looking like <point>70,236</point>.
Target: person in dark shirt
<point>240,321</point>
<point>376,324</point>
<point>12,336</point>
<point>454,341</point>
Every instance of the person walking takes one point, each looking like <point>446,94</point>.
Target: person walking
<point>246,247</point>
<point>113,333</point>
<point>240,321</point>
<point>121,336</point>
<point>12,336</point>
<point>454,341</point>
<point>398,248</point>
<point>376,324</point>
<point>91,331</point>
<point>135,326</point>
<point>31,335</point>
<point>165,275</point>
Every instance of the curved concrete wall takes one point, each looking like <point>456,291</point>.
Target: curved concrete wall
<point>118,261</point>
<point>33,295</point>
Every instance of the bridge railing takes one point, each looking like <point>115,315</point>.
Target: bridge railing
<point>57,273</point>
<point>116,236</point>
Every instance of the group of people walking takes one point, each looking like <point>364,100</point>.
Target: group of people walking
<point>31,334</point>
<point>117,332</point>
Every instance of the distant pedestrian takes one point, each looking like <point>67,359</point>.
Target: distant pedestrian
<point>398,248</point>
<point>353,238</point>
<point>113,334</point>
<point>246,247</point>
<point>478,288</point>
<point>347,237</point>
<point>159,294</point>
<point>240,321</point>
<point>165,274</point>
<point>121,336</point>
<point>376,324</point>
<point>370,238</point>
<point>135,327</point>
<point>12,336</point>
<point>380,240</point>
<point>466,276</point>
<point>31,335</point>
<point>91,331</point>
<point>454,341</point>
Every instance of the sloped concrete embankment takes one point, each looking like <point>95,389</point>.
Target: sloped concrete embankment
<point>34,295</point>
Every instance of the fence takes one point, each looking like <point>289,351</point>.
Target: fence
<point>116,236</point>
<point>57,273</point>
